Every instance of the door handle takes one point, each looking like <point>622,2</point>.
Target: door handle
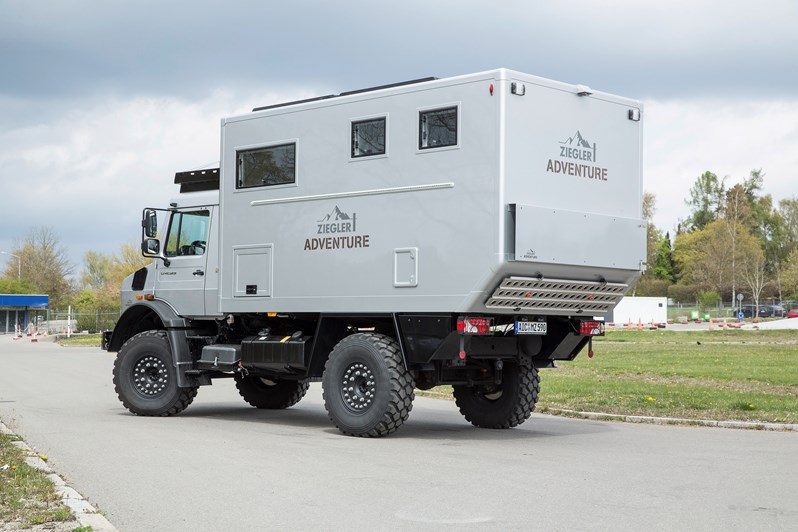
<point>199,273</point>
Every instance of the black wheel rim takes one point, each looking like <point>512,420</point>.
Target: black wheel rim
<point>150,376</point>
<point>358,388</point>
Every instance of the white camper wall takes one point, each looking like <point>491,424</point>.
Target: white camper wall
<point>426,219</point>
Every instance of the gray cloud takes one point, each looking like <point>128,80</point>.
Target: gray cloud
<point>101,102</point>
<point>190,48</point>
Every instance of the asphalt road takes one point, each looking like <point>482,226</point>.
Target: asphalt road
<point>222,465</point>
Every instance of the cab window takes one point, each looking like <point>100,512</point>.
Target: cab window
<point>188,233</point>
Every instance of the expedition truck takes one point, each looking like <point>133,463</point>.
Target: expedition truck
<point>465,231</point>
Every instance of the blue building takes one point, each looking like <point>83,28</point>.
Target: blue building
<point>19,309</point>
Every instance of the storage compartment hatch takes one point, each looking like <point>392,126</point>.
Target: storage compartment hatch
<point>577,238</point>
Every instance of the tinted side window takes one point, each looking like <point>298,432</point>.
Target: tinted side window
<point>437,128</point>
<point>273,165</point>
<point>368,138</point>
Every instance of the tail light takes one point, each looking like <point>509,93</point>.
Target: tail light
<point>591,328</point>
<point>473,325</point>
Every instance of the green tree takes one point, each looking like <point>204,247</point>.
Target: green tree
<point>650,284</point>
<point>706,201</point>
<point>15,286</point>
<point>96,309</point>
<point>745,206</point>
<point>707,299</point>
<point>789,275</point>
<point>664,266</point>
<point>652,233</point>
<point>704,257</point>
<point>96,268</point>
<point>126,262</point>
<point>788,210</point>
<point>102,278</point>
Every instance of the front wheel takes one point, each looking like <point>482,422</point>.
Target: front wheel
<point>501,406</point>
<point>367,390</point>
<point>145,379</point>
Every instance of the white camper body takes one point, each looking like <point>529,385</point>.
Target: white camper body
<point>538,182</point>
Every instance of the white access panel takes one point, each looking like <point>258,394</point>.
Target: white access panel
<point>559,236</point>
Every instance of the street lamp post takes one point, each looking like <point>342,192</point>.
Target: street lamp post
<point>19,263</point>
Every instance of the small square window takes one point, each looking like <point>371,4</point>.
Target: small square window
<point>368,138</point>
<point>274,165</point>
<point>437,128</point>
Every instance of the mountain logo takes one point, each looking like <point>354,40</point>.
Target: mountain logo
<point>577,147</point>
<point>336,215</point>
<point>337,221</point>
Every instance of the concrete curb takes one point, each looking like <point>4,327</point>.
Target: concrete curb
<point>751,425</point>
<point>84,512</point>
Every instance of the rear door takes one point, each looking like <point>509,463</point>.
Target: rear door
<point>573,173</point>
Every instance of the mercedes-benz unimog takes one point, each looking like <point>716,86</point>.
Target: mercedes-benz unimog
<point>465,231</point>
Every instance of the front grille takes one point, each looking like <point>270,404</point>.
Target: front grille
<point>555,296</point>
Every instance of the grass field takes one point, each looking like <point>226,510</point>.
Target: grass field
<point>719,375</point>
<point>80,340</point>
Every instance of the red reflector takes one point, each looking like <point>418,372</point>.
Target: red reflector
<point>591,328</point>
<point>474,325</point>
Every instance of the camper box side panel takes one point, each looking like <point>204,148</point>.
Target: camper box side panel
<point>411,230</point>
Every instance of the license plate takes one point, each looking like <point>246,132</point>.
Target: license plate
<point>530,327</point>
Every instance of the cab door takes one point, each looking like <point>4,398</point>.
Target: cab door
<point>182,283</point>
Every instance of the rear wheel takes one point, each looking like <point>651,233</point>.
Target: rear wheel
<point>261,392</point>
<point>145,379</point>
<point>501,406</point>
<point>367,390</point>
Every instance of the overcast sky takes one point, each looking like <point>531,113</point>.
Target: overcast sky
<point>101,102</point>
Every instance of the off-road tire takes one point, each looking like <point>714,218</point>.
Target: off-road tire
<point>367,390</point>
<point>270,394</point>
<point>145,378</point>
<point>501,406</point>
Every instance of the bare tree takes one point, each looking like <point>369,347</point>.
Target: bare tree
<point>44,263</point>
<point>752,267</point>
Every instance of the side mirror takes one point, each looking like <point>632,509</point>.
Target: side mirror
<point>149,222</point>
<point>151,247</point>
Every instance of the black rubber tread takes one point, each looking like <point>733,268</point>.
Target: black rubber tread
<point>156,343</point>
<point>394,395</point>
<point>520,388</point>
<point>282,394</point>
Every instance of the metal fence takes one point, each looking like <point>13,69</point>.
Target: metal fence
<point>57,322</point>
